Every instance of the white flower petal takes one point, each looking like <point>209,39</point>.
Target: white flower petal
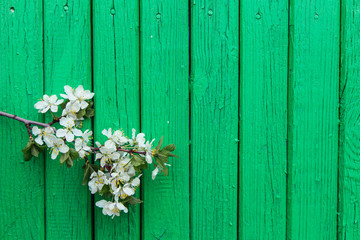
<point>52,98</point>
<point>36,130</point>
<point>60,101</point>
<point>101,203</point>
<point>39,140</point>
<point>54,108</point>
<point>40,105</point>
<point>69,136</point>
<point>61,132</point>
<point>83,104</point>
<point>54,154</point>
<point>154,173</point>
<point>64,148</point>
<point>77,132</point>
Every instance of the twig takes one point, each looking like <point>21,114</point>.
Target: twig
<point>23,120</point>
<point>30,122</point>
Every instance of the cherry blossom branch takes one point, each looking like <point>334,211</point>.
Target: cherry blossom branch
<point>23,120</point>
<point>28,122</point>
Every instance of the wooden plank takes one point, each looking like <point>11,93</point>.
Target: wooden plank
<point>313,119</point>
<point>165,112</point>
<point>214,118</point>
<point>263,106</point>
<point>21,85</point>
<point>67,62</point>
<point>349,192</point>
<point>116,83</point>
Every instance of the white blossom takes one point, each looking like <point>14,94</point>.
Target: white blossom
<point>111,208</point>
<point>78,96</point>
<point>107,154</point>
<point>43,135</point>
<point>98,180</point>
<point>69,131</point>
<point>48,103</point>
<point>81,143</point>
<point>57,146</point>
<point>116,138</point>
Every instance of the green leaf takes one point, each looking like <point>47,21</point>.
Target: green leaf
<point>133,200</point>
<point>105,189</point>
<point>73,153</point>
<point>69,162</point>
<point>63,157</point>
<point>41,148</point>
<point>87,173</point>
<point>81,113</point>
<point>137,160</point>
<point>173,155</point>
<point>159,144</point>
<point>27,150</point>
<point>27,156</point>
<point>34,151</point>
<point>28,146</point>
<point>63,105</point>
<point>170,148</point>
<point>90,112</point>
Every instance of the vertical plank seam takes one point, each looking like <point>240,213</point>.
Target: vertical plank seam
<point>43,118</point>
<point>288,133</point>
<point>339,192</point>
<point>240,127</point>
<point>92,198</point>
<point>189,90</point>
<point>140,122</point>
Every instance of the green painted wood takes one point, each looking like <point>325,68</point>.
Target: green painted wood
<point>214,118</point>
<point>263,105</point>
<point>349,192</point>
<point>165,112</point>
<point>313,119</point>
<point>21,84</point>
<point>67,46</point>
<point>116,84</point>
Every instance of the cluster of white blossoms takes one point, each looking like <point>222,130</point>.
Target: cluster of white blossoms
<point>121,159</point>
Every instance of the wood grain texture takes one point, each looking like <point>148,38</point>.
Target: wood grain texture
<point>67,48</point>
<point>263,133</point>
<point>214,118</point>
<point>313,119</point>
<point>349,161</point>
<point>21,84</point>
<point>116,84</point>
<point>165,112</point>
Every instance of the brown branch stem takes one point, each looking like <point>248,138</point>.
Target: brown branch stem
<point>30,122</point>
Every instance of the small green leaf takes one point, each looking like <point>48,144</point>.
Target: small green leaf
<point>137,160</point>
<point>69,162</point>
<point>27,150</point>
<point>28,146</point>
<point>90,112</point>
<point>133,200</point>
<point>170,148</point>
<point>159,144</point>
<point>105,189</point>
<point>27,156</point>
<point>34,151</point>
<point>73,153</point>
<point>81,113</point>
<point>63,157</point>
<point>86,174</point>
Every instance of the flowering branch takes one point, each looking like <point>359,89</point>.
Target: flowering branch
<point>122,159</point>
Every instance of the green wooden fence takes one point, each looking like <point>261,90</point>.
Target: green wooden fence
<point>262,99</point>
